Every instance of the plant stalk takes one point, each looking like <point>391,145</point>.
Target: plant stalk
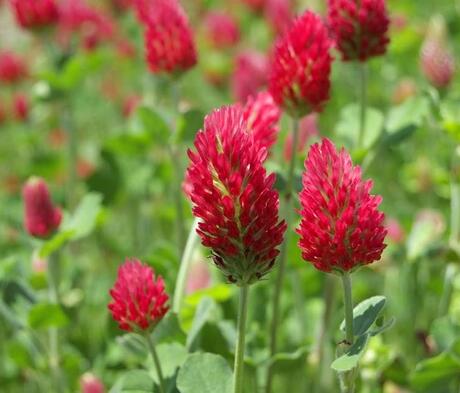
<point>184,267</point>
<point>363,103</point>
<point>238,376</point>
<point>289,200</point>
<point>53,293</point>
<point>156,361</point>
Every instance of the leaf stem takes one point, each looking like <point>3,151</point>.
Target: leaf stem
<point>184,267</point>
<point>363,102</point>
<point>238,376</point>
<point>156,361</point>
<point>283,253</point>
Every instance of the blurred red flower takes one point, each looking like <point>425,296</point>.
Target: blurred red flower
<point>262,116</point>
<point>279,14</point>
<point>232,194</point>
<point>89,383</point>
<point>436,60</point>
<point>221,29</point>
<point>21,107</point>
<point>12,68</point>
<point>41,217</point>
<point>341,227</point>
<point>360,28</point>
<point>395,231</point>
<point>138,299</point>
<point>249,75</point>
<point>35,14</point>
<point>130,104</point>
<point>299,78</point>
<point>169,41</point>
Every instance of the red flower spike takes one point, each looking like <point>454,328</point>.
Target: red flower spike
<point>41,217</point>
<point>221,29</point>
<point>359,27</point>
<point>299,78</point>
<point>35,14</point>
<point>234,198</point>
<point>250,74</point>
<point>169,41</point>
<point>138,299</point>
<point>341,227</point>
<point>12,68</point>
<point>262,116</point>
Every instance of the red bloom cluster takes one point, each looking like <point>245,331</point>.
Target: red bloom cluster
<point>250,74</point>
<point>437,63</point>
<point>360,28</point>
<point>35,14</point>
<point>12,68</point>
<point>89,383</point>
<point>232,194</point>
<point>169,39</point>
<point>299,76</point>
<point>222,30</point>
<point>138,300</point>
<point>341,227</point>
<point>41,217</point>
<point>262,116</point>
<point>92,25</point>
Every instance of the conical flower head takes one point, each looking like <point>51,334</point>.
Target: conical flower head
<point>35,14</point>
<point>234,198</point>
<point>221,29</point>
<point>41,217</point>
<point>299,79</point>
<point>436,60</point>
<point>341,227</point>
<point>169,41</point>
<point>359,27</point>
<point>262,116</point>
<point>138,298</point>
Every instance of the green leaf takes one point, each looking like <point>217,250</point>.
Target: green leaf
<point>387,325</point>
<point>205,373</point>
<point>203,314</point>
<point>348,126</point>
<point>45,315</point>
<point>287,362</point>
<point>437,371</point>
<point>77,226</point>
<point>365,314</point>
<point>172,357</point>
<point>154,124</point>
<point>106,179</point>
<point>189,124</point>
<point>137,381</point>
<point>350,359</point>
<point>420,239</point>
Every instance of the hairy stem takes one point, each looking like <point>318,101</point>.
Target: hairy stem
<point>348,378</point>
<point>156,361</point>
<point>238,376</point>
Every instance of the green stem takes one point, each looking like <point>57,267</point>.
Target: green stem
<point>455,215</point>
<point>347,378</point>
<point>184,268</point>
<point>283,253</point>
<point>67,124</point>
<point>156,361</point>
<point>53,291</point>
<point>238,373</point>
<point>448,287</point>
<point>363,103</point>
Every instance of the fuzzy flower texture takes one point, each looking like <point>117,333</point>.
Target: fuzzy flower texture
<point>138,300</point>
<point>359,27</point>
<point>41,217</point>
<point>234,198</point>
<point>299,79</point>
<point>169,38</point>
<point>341,227</point>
